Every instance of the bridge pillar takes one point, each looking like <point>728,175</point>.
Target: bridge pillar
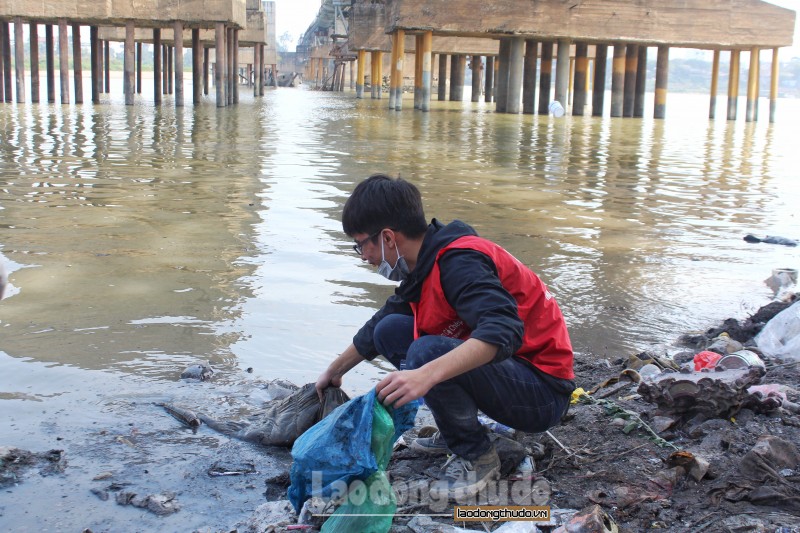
<point>362,60</point>
<point>631,67</point>
<point>19,59</point>
<point>529,77</point>
<point>427,67</point>
<point>458,63</point>
<point>157,66</point>
<point>641,83</point>
<point>515,72</point>
<point>599,88</point>
<point>662,77</point>
<point>177,30</point>
<point>562,72</point>
<point>733,85</point>
<point>501,82</point>
<point>712,106</point>
<point>50,61</point>
<point>5,48</point>
<point>773,86</point>
<point>618,81</point>
<point>63,60</point>
<point>488,83</point>
<point>219,65</point>
<point>477,66</point>
<point>581,75</point>
<point>545,78</point>
<point>128,75</point>
<point>33,28</point>
<point>751,111</point>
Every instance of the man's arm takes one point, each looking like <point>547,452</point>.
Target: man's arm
<point>338,368</point>
<point>399,388</point>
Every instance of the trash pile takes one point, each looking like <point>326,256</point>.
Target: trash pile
<point>684,438</point>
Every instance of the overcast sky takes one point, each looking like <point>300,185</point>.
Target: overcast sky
<point>295,16</point>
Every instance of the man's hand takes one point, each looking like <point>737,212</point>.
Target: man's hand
<point>325,380</point>
<point>338,368</point>
<point>403,386</point>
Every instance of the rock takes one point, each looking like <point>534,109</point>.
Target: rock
<point>200,372</point>
<point>662,423</point>
<point>591,519</point>
<point>269,517</point>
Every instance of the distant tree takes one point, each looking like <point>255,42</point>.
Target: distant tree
<point>285,41</point>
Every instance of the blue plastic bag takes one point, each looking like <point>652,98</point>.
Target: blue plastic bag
<point>338,449</point>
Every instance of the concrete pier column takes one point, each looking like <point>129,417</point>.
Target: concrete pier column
<point>641,83</point>
<point>712,106</point>
<point>631,67</point>
<point>107,61</point>
<point>581,75</point>
<point>417,71</point>
<point>529,77</point>
<point>476,65</point>
<point>395,82</point>
<point>128,76</point>
<point>139,68</point>
<point>164,70</point>
<point>599,84</point>
<point>230,75</point>
<point>379,67</point>
<point>77,73</point>
<point>362,60</point>
<point>234,65</point>
<point>427,70</point>
<point>263,72</point>
<point>157,66</point>
<point>19,59</point>
<point>256,73</point>
<point>100,77</point>
<point>515,72</point>
<point>2,64</point>
<point>488,80</point>
<point>752,86</point>
<point>545,78</point>
<point>177,30</point>
<point>562,72</point>
<point>773,86</point>
<point>458,64</point>
<point>34,44</point>
<point>5,44</point>
<point>171,69</point>
<point>501,80</point>
<point>618,81</point>
<point>733,85</point>
<point>219,67</point>
<point>197,67</point>
<point>206,68</point>
<point>662,77</point>
<point>442,89</point>
<point>50,62</point>
<point>352,75</point>
<point>63,59</point>
<point>94,47</point>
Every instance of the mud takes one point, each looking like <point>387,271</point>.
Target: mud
<point>735,469</point>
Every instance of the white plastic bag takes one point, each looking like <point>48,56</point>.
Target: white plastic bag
<point>781,335</point>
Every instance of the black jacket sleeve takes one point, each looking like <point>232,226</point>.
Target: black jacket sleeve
<point>363,339</point>
<point>472,287</point>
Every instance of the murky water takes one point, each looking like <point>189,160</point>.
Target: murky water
<point>141,240</point>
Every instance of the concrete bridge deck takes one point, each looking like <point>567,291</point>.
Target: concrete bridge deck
<point>221,25</point>
<point>511,42</point>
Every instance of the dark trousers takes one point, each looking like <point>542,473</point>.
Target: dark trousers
<point>509,391</point>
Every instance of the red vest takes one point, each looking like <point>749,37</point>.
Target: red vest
<point>545,342</point>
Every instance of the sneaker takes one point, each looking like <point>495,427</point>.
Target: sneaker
<point>463,479</point>
<point>431,445</point>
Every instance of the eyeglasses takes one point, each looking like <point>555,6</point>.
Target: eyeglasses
<point>358,247</point>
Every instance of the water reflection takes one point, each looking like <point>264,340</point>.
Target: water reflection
<point>151,237</point>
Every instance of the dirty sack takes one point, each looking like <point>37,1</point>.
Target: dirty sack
<point>781,335</point>
<point>343,458</point>
<point>279,424</point>
<point>767,475</point>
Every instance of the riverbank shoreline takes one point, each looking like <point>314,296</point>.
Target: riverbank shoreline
<point>154,474</point>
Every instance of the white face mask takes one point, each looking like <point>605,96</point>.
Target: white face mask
<point>397,273</point>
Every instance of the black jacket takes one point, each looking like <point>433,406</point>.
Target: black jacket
<point>471,286</point>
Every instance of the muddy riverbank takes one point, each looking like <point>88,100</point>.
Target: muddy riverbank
<point>119,462</point>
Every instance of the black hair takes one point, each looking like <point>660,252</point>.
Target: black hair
<point>381,202</point>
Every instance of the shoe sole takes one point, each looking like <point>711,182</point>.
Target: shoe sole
<point>430,451</point>
<point>464,493</point>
